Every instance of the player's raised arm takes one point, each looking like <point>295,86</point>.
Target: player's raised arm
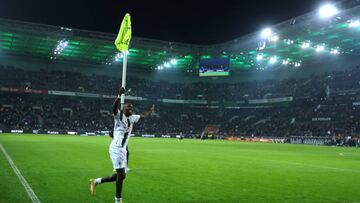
<point>148,112</point>
<point>115,107</point>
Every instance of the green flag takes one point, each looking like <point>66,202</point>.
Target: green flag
<point>123,39</point>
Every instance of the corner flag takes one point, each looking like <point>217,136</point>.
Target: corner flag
<point>122,44</point>
<point>123,39</point>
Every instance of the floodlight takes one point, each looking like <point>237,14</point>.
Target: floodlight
<point>320,48</point>
<point>334,51</point>
<point>305,45</point>
<point>166,64</point>
<point>173,61</point>
<point>118,56</point>
<point>273,60</point>
<point>259,57</point>
<point>354,23</point>
<point>266,33</point>
<point>328,10</point>
<point>289,41</point>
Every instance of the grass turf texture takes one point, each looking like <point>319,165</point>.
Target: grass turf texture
<point>168,170</point>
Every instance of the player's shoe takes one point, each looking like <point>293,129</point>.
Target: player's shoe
<point>92,183</point>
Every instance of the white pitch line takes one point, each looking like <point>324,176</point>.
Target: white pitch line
<point>26,185</point>
<point>317,166</point>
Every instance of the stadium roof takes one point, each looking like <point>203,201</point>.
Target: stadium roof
<point>291,43</point>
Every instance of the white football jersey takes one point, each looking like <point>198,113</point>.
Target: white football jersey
<point>122,129</point>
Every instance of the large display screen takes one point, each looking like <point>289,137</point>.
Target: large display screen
<point>214,67</point>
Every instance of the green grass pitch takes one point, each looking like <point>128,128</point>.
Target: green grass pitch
<point>190,171</point>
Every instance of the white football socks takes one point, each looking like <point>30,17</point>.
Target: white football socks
<point>117,200</point>
<point>98,180</point>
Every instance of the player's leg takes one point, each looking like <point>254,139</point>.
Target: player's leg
<point>121,175</point>
<point>118,162</point>
<point>98,181</point>
<point>107,179</point>
<point>127,159</point>
<point>127,154</point>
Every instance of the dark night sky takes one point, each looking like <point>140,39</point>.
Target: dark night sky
<point>190,21</point>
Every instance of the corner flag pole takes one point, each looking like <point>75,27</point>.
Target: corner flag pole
<point>123,82</point>
<point>122,44</point>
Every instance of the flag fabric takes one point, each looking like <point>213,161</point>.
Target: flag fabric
<point>123,39</point>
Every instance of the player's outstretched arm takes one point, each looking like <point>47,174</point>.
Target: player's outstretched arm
<point>115,107</point>
<point>148,112</point>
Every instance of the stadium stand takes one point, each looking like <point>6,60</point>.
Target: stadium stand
<point>312,87</point>
<point>319,106</point>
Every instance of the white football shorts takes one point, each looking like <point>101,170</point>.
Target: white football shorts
<point>118,158</point>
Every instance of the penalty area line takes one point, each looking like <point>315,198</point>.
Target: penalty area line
<point>22,180</point>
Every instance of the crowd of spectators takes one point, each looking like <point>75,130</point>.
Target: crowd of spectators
<point>75,81</point>
<point>28,112</point>
<point>323,105</point>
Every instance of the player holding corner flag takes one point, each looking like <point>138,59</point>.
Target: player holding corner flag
<point>123,123</point>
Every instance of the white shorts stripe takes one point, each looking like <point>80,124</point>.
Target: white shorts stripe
<point>26,185</point>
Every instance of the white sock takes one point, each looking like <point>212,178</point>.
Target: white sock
<point>98,180</point>
<point>117,200</point>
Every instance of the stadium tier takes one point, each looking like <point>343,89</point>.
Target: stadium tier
<point>58,101</point>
